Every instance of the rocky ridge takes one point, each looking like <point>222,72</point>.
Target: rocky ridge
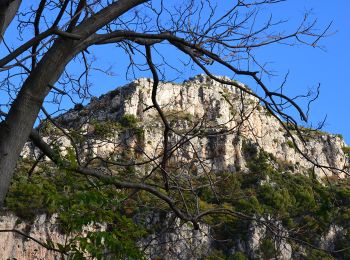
<point>218,108</point>
<point>232,126</point>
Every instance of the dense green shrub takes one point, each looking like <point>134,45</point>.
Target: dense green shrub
<point>290,144</point>
<point>301,204</point>
<point>77,202</point>
<point>129,120</point>
<point>297,201</point>
<point>346,149</point>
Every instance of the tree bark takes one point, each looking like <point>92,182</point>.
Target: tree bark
<point>14,131</point>
<point>8,10</point>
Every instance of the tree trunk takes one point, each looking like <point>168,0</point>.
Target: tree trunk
<point>14,131</point>
<point>8,10</point>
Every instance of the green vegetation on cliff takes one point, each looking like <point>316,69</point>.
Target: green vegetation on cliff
<point>296,203</point>
<point>78,201</point>
<point>299,205</point>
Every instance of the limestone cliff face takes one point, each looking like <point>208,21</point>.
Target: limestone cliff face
<point>223,127</point>
<point>220,120</point>
<point>179,241</point>
<point>14,245</point>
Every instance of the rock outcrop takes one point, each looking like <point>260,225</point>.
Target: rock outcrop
<point>224,128</point>
<point>19,246</point>
<point>228,119</point>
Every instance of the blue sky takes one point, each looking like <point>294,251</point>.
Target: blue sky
<point>307,66</point>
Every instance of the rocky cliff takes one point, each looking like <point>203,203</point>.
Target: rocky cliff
<point>223,129</point>
<point>227,118</point>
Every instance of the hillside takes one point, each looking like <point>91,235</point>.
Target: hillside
<point>224,151</point>
<point>227,118</point>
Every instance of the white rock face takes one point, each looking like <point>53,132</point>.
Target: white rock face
<point>177,241</point>
<point>258,232</point>
<point>14,245</point>
<point>327,241</point>
<point>229,120</point>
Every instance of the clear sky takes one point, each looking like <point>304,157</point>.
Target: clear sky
<point>307,66</point>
